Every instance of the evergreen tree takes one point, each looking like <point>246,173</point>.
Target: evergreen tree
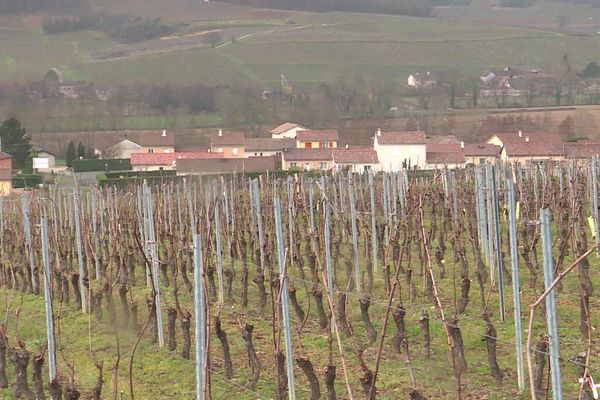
<point>16,142</point>
<point>80,151</point>
<point>71,154</point>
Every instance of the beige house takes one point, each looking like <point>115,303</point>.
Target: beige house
<point>157,141</point>
<point>479,153</point>
<point>228,144</point>
<point>307,159</point>
<point>123,149</point>
<point>288,130</point>
<point>317,139</point>
<point>398,150</point>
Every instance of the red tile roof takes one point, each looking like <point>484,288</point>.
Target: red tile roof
<point>530,149</point>
<point>582,150</point>
<point>447,153</point>
<point>318,135</point>
<point>285,127</point>
<point>226,165</point>
<point>481,150</point>
<point>268,144</point>
<point>443,139</point>
<point>355,155</point>
<point>308,155</point>
<point>401,137</point>
<point>157,138</point>
<point>4,156</point>
<point>169,158</point>
<point>221,138</point>
<point>534,136</point>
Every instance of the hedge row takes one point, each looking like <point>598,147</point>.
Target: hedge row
<point>137,180</point>
<point>26,180</point>
<point>117,164</point>
<point>140,174</point>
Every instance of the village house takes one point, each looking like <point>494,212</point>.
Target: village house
<point>286,131</point>
<point>480,153</point>
<point>418,80</point>
<point>500,139</point>
<point>167,161</point>
<point>6,172</point>
<point>189,166</point>
<point>447,155</point>
<point>307,159</point>
<point>122,149</point>
<point>532,152</point>
<point>400,149</point>
<point>44,161</point>
<point>317,139</point>
<point>265,147</point>
<point>355,159</point>
<point>157,141</point>
<point>229,144</point>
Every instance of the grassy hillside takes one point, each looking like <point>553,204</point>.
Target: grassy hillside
<point>307,48</point>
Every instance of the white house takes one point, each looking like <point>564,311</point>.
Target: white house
<point>400,149</point>
<point>287,130</point>
<point>44,160</point>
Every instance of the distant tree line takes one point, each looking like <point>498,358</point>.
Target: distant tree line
<point>122,28</point>
<point>419,8</point>
<point>517,3</point>
<point>197,98</point>
<point>24,6</point>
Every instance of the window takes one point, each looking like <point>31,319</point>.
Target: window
<point>234,151</point>
<point>293,165</point>
<point>219,150</point>
<point>150,151</point>
<point>308,145</point>
<point>261,154</point>
<point>481,160</point>
<point>326,145</point>
<point>323,165</point>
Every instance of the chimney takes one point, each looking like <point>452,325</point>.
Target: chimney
<point>220,132</point>
<point>347,147</point>
<point>164,133</point>
<point>527,138</point>
<point>462,145</point>
<point>520,133</point>
<point>378,131</point>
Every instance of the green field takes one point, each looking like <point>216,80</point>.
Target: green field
<point>306,47</point>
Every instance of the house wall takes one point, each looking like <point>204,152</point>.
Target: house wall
<point>316,145</point>
<point>495,141</point>
<point>391,156</point>
<point>6,163</point>
<point>123,149</point>
<point>158,149</point>
<point>153,167</point>
<point>306,165</point>
<point>263,153</point>
<point>291,134</point>
<point>476,160</point>
<point>227,151</point>
<point>434,166</point>
<point>43,162</point>
<point>358,168</point>
<point>5,187</point>
<point>528,159</point>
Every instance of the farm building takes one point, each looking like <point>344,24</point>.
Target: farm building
<point>44,160</point>
<point>166,161</point>
<point>448,155</point>
<point>398,150</point>
<point>207,166</point>
<point>265,147</point>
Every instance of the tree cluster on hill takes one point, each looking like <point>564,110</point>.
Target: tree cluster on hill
<point>24,6</point>
<point>122,28</point>
<point>418,8</point>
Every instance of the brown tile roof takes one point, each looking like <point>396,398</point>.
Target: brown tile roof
<point>6,174</point>
<point>355,155</point>
<point>318,135</point>
<point>401,137</point>
<point>530,149</point>
<point>4,156</point>
<point>168,159</point>
<point>535,136</point>
<point>226,165</point>
<point>448,153</point>
<point>221,138</point>
<point>443,139</point>
<point>285,127</point>
<point>308,155</point>
<point>481,150</point>
<point>156,138</point>
<point>255,144</point>
<point>582,150</point>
